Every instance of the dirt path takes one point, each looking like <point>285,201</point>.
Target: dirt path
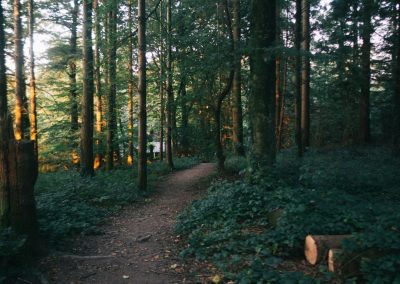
<point>139,244</point>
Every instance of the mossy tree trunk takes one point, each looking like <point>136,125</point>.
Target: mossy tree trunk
<point>262,99</point>
<point>88,90</point>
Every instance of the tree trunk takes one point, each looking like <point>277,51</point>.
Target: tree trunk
<point>22,178</point>
<point>32,79</point>
<point>366,72</point>
<point>21,104</point>
<point>87,96</point>
<point>142,137</point>
<point>305,74</point>
<point>396,128</point>
<point>4,131</point>
<point>112,73</point>
<point>316,247</point>
<point>162,99</point>
<point>130,85</point>
<point>170,94</point>
<point>262,99</point>
<point>298,107</point>
<point>237,115</point>
<point>98,87</point>
<point>72,68</point>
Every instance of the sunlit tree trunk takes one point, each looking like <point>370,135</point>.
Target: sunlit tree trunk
<point>21,167</point>
<point>4,132</point>
<point>170,95</point>
<point>237,116</point>
<point>142,118</point>
<point>21,104</point>
<point>98,86</point>
<point>112,73</point>
<point>366,72</point>
<point>88,90</point>
<point>305,74</point>
<point>298,107</point>
<point>130,85</point>
<point>262,99</point>
<point>32,79</point>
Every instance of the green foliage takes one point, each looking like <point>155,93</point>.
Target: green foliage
<point>68,204</point>
<point>249,228</point>
<point>235,164</point>
<point>10,243</point>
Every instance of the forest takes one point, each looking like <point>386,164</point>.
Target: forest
<point>213,141</point>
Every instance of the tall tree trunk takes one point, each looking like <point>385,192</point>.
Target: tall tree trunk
<point>305,74</point>
<point>4,132</point>
<point>162,99</point>
<point>130,85</point>
<point>112,73</point>
<point>72,68</point>
<point>262,99</point>
<point>237,116</point>
<point>366,72</point>
<point>142,135</point>
<point>170,94</point>
<point>396,129</point>
<point>88,90</point>
<point>21,104</point>
<point>21,167</point>
<point>98,87</point>
<point>298,107</point>
<point>32,79</point>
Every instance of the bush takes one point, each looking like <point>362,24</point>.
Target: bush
<point>235,164</point>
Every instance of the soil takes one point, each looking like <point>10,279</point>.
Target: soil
<point>139,245</point>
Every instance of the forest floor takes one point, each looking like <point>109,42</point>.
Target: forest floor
<point>139,244</point>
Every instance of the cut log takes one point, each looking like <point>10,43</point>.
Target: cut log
<point>316,247</point>
<point>334,256</point>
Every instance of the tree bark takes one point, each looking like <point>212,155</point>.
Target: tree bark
<point>88,90</point>
<point>298,107</point>
<point>4,132</point>
<point>21,103</point>
<point>305,74</point>
<point>366,72</point>
<point>237,114</point>
<point>170,94</point>
<point>98,87</point>
<point>162,99</point>
<point>32,79</point>
<point>72,68</point>
<point>130,85</point>
<point>262,99</point>
<point>22,178</point>
<point>142,135</point>
<point>112,73</point>
<point>396,140</point>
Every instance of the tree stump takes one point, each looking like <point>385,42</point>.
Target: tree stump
<point>316,247</point>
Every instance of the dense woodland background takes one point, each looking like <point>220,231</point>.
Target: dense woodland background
<point>298,100</point>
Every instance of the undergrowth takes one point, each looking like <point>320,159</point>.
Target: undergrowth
<point>248,229</point>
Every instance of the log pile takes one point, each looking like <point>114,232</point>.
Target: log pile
<point>328,248</point>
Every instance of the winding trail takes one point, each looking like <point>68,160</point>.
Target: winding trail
<point>139,245</point>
